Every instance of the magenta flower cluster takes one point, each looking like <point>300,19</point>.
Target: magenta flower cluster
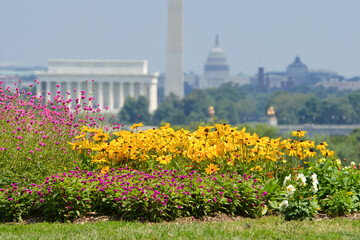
<point>35,129</point>
<point>135,195</point>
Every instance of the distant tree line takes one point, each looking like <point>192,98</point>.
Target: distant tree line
<point>236,105</point>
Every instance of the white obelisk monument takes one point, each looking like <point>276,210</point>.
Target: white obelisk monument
<point>174,73</point>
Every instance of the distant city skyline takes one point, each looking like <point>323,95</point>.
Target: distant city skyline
<point>260,33</point>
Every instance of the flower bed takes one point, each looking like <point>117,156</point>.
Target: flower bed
<point>158,174</point>
<point>135,195</point>
<point>212,148</point>
<point>35,131</point>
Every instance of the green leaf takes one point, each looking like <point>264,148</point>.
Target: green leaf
<point>264,211</point>
<point>273,204</point>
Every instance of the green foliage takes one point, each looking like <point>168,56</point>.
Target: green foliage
<point>64,199</point>
<point>336,110</point>
<point>275,193</point>
<point>134,195</point>
<point>301,209</point>
<point>261,129</point>
<point>135,110</point>
<point>323,186</point>
<point>340,203</point>
<point>301,202</point>
<point>35,133</point>
<point>232,103</point>
<point>346,147</point>
<point>170,110</point>
<point>287,105</point>
<point>310,111</point>
<point>339,189</point>
<point>242,104</point>
<point>14,207</point>
<point>58,199</point>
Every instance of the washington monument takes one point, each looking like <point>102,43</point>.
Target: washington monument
<point>174,73</point>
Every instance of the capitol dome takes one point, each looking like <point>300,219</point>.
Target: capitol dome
<point>297,71</point>
<point>216,63</point>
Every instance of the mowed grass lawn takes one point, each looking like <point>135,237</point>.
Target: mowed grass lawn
<point>265,228</point>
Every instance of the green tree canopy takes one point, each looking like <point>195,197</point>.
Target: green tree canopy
<point>135,110</point>
<point>170,110</point>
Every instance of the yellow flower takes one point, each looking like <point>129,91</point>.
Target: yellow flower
<point>99,147</point>
<point>322,146</point>
<point>310,153</point>
<point>327,153</point>
<point>257,168</point>
<point>81,136</point>
<point>164,159</point>
<point>75,145</point>
<point>101,160</point>
<point>208,145</point>
<point>338,162</point>
<point>105,170</point>
<point>298,133</point>
<point>90,130</point>
<point>100,136</point>
<point>136,125</point>
<point>212,168</point>
<point>204,131</point>
<point>291,150</point>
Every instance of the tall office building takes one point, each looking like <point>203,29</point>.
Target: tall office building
<point>174,73</point>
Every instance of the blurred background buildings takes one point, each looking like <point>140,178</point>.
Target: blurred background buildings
<point>216,69</point>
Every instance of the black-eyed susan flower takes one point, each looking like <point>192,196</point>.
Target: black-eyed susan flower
<point>136,125</point>
<point>322,146</point>
<point>298,133</point>
<point>164,159</point>
<point>101,136</point>
<point>212,168</point>
<point>327,153</point>
<point>105,170</point>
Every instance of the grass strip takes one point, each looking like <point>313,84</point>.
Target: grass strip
<point>267,228</point>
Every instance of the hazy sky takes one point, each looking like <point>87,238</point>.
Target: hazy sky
<point>269,33</point>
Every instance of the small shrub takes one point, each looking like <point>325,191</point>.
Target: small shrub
<point>301,202</point>
<point>339,189</point>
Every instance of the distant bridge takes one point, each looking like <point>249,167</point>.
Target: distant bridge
<point>313,129</point>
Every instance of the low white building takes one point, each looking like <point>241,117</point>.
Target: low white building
<point>114,81</point>
<point>340,85</point>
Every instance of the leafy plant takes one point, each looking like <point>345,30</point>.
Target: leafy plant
<point>135,195</point>
<point>301,202</point>
<point>35,131</point>
<point>340,203</point>
<point>338,186</point>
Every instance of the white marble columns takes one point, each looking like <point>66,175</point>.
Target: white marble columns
<point>111,94</point>
<point>153,95</point>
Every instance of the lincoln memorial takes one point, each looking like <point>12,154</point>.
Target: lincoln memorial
<point>114,81</point>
